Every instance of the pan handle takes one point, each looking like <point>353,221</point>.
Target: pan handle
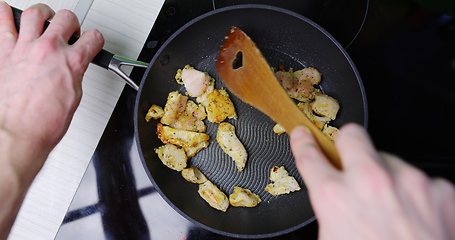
<point>104,58</point>
<point>117,61</point>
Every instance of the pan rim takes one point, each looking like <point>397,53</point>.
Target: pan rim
<point>155,59</point>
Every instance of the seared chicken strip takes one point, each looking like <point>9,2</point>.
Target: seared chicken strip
<point>300,84</point>
<point>218,105</point>
<point>318,107</point>
<point>278,129</point>
<point>320,122</point>
<point>231,145</point>
<point>191,151</point>
<point>325,105</point>
<point>191,118</point>
<point>175,105</point>
<point>213,196</point>
<point>193,175</point>
<point>305,107</point>
<point>195,81</point>
<point>154,112</point>
<point>330,131</point>
<point>242,197</point>
<point>317,120</point>
<point>187,139</point>
<point>310,75</point>
<point>173,157</point>
<point>282,183</point>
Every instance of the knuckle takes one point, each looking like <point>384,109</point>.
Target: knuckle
<point>96,36</point>
<point>48,45</point>
<point>445,187</point>
<point>7,36</point>
<point>38,11</point>
<point>330,189</point>
<point>33,13</point>
<point>416,179</point>
<point>68,15</point>
<point>376,177</point>
<point>77,58</point>
<point>78,62</point>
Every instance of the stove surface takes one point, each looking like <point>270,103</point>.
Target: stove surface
<point>405,55</point>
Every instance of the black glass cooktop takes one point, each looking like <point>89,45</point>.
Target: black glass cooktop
<point>404,53</point>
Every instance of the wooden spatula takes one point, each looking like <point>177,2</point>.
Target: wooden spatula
<point>246,73</point>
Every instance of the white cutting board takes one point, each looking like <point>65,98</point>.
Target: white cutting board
<point>125,26</point>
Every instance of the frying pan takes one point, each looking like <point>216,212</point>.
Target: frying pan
<point>285,39</point>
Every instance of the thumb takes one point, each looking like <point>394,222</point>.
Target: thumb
<point>311,163</point>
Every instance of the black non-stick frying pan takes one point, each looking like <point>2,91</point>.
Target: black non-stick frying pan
<point>285,39</point>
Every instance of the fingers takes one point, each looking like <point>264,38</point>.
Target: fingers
<point>7,27</point>
<point>86,48</point>
<point>355,147</point>
<point>312,164</point>
<point>32,22</point>
<point>8,33</point>
<point>64,24</point>
<point>444,194</point>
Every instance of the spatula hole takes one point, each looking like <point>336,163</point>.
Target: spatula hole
<point>238,61</point>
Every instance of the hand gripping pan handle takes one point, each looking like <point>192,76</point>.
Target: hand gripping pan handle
<point>104,58</point>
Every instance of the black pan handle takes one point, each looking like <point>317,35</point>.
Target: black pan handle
<point>104,58</point>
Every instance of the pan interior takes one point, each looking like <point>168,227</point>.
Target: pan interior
<point>298,44</point>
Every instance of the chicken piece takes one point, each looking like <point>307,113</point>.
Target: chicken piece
<point>277,173</point>
<point>283,186</point>
<point>286,78</point>
<point>191,151</point>
<point>242,197</point>
<point>218,105</point>
<point>301,91</point>
<point>213,196</point>
<point>173,157</point>
<point>282,183</point>
<point>154,112</point>
<point>191,118</point>
<point>193,175</point>
<point>278,129</point>
<point>305,107</point>
<point>309,74</point>
<point>175,105</point>
<point>182,138</point>
<point>195,81</point>
<point>318,121</point>
<point>231,145</point>
<point>326,106</point>
<point>299,85</point>
<point>330,131</point>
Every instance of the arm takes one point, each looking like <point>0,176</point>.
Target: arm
<point>40,89</point>
<point>376,196</point>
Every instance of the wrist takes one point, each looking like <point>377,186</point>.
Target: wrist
<point>21,157</point>
<point>13,185</point>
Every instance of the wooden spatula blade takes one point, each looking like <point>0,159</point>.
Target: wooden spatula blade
<point>238,45</point>
<point>246,73</point>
